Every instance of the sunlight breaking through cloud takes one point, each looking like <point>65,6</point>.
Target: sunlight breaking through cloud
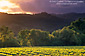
<point>10,7</point>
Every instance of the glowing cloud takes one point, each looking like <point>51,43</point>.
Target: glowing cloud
<point>5,6</point>
<point>21,1</point>
<point>10,7</point>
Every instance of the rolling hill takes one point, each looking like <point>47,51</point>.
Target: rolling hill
<point>43,21</point>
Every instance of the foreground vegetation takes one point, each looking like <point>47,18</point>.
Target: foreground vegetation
<point>71,35</point>
<point>42,51</point>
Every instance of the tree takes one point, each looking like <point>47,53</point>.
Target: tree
<point>7,38</point>
<point>78,25</point>
<point>34,37</point>
<point>84,19</point>
<point>23,37</point>
<point>82,37</point>
<point>66,36</point>
<point>39,37</point>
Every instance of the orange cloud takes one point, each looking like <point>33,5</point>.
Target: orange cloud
<point>21,0</point>
<point>10,7</point>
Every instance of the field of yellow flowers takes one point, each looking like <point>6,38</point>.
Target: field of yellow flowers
<point>44,51</point>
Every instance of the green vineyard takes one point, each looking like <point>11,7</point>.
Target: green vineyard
<point>44,51</point>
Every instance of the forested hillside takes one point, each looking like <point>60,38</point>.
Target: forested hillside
<point>43,21</point>
<point>72,35</point>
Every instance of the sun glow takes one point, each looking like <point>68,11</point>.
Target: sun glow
<point>20,13</point>
<point>11,8</point>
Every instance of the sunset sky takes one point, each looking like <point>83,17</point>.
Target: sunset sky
<point>36,6</point>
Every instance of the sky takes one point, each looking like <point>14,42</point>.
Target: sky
<point>37,6</point>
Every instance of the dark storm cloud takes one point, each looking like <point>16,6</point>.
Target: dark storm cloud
<point>45,5</point>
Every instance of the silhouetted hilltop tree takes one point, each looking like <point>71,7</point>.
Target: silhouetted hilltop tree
<point>3,13</point>
<point>44,13</point>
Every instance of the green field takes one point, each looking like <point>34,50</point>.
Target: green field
<point>44,51</point>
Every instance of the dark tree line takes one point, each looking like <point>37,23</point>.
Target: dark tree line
<point>71,35</point>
